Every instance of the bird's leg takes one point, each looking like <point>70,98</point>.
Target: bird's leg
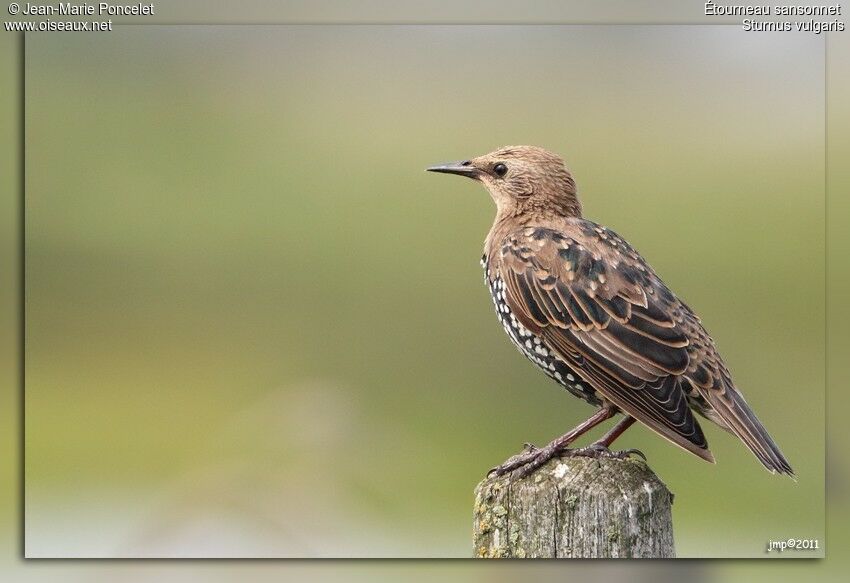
<point>616,431</point>
<point>534,458</point>
<point>599,448</point>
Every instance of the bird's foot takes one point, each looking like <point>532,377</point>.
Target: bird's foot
<point>523,464</point>
<point>598,450</point>
<point>532,457</point>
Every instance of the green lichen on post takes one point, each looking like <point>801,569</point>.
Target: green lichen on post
<point>575,507</point>
<point>490,520</point>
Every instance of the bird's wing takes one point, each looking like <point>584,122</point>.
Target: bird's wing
<point>605,312</point>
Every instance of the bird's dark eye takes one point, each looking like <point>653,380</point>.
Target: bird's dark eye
<point>500,169</point>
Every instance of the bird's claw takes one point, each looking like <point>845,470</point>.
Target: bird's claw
<point>532,457</point>
<point>523,464</point>
<point>597,451</point>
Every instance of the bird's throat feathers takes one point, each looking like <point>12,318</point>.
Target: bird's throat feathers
<point>515,213</point>
<point>552,203</point>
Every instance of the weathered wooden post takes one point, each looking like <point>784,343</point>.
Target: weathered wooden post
<point>575,507</point>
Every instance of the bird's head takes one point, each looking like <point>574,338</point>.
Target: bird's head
<point>521,179</point>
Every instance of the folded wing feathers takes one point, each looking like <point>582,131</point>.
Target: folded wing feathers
<point>616,322</point>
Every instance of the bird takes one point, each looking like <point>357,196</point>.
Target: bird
<point>588,310</point>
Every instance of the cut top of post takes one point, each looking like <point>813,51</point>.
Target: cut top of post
<point>575,507</point>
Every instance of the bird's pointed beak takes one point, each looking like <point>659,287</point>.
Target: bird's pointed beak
<point>464,168</point>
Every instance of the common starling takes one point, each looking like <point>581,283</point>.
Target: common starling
<point>581,304</point>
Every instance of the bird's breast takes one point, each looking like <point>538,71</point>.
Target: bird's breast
<point>530,344</point>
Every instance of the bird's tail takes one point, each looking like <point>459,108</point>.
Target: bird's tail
<point>741,421</point>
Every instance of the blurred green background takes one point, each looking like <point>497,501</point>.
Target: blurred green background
<point>256,327</point>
